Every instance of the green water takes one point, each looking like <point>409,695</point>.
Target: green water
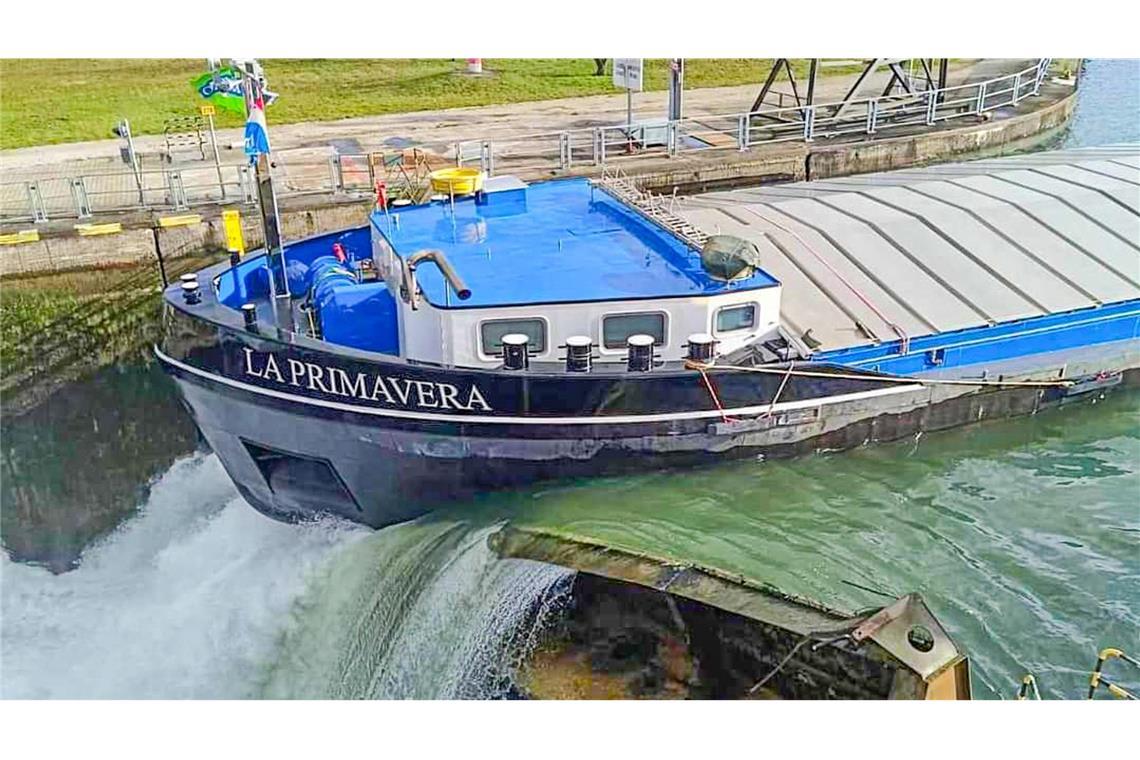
<point>1023,535</point>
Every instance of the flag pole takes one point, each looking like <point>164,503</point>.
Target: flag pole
<point>270,217</point>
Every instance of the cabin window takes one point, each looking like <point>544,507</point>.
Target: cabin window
<point>492,332</point>
<point>616,328</point>
<point>732,318</point>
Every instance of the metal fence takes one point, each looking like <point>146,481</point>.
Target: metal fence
<point>184,186</point>
<point>180,187</point>
<point>599,146</point>
<point>84,196</point>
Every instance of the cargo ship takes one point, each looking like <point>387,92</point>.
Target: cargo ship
<point>502,333</point>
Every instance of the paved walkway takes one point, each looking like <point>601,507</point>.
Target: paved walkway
<point>437,131</point>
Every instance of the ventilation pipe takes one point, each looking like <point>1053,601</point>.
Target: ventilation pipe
<point>409,288</point>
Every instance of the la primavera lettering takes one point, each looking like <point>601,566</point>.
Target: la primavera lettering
<point>364,386</point>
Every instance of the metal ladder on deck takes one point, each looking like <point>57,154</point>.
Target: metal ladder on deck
<point>659,209</point>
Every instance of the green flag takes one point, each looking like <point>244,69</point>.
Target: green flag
<point>222,88</point>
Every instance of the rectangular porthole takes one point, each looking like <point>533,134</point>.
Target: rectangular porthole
<point>302,483</point>
<point>616,328</point>
<point>492,331</point>
<point>732,318</point>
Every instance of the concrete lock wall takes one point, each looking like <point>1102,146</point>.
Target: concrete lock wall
<point>66,250</point>
<point>63,248</point>
<point>1016,133</point>
<point>74,252</point>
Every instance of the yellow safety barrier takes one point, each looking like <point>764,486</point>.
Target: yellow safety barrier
<point>23,236</point>
<point>185,220</point>
<point>87,230</point>
<point>1097,678</point>
<point>231,223</point>
<point>1028,686</point>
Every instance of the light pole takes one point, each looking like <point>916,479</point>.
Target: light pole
<point>208,111</point>
<point>123,130</point>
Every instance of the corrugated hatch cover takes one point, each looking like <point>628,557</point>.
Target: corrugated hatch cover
<point>946,247</point>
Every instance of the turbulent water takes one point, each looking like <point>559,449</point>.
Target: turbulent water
<point>199,596</point>
<point>186,599</point>
<point>1023,536</point>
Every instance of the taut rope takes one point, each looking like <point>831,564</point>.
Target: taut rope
<point>690,364</point>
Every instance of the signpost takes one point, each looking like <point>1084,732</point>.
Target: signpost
<point>676,87</point>
<point>628,76</point>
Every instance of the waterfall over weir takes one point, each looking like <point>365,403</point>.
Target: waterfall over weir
<point>199,596</point>
<point>422,611</point>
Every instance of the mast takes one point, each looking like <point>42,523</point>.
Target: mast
<point>253,88</point>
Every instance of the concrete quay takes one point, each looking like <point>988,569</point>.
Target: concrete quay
<point>1033,121</point>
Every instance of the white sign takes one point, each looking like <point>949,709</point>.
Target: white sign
<point>627,73</point>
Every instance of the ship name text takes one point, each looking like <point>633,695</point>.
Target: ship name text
<point>364,386</point>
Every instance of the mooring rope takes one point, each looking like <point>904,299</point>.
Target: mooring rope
<point>716,400</point>
<point>780,665</point>
<point>784,382</point>
<point>690,364</point>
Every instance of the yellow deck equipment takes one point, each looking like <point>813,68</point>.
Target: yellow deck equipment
<point>456,180</point>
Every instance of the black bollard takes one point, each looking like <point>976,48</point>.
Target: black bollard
<point>191,293</point>
<point>702,348</point>
<point>249,316</point>
<point>515,351</point>
<point>640,352</point>
<point>579,353</point>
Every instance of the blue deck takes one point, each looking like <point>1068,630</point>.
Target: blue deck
<point>567,243</point>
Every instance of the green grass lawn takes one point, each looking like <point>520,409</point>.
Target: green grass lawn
<point>67,100</point>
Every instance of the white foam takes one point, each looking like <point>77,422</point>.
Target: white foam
<point>186,599</point>
<point>423,610</point>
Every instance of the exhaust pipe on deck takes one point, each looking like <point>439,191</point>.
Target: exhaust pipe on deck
<point>408,288</point>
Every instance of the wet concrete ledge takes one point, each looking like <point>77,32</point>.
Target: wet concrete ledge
<point>1035,122</point>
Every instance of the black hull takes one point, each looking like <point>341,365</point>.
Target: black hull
<point>292,461</point>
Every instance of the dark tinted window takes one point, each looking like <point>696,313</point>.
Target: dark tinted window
<point>492,334</point>
<point>736,318</point>
<point>618,327</point>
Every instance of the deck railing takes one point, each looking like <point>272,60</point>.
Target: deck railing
<point>180,187</point>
